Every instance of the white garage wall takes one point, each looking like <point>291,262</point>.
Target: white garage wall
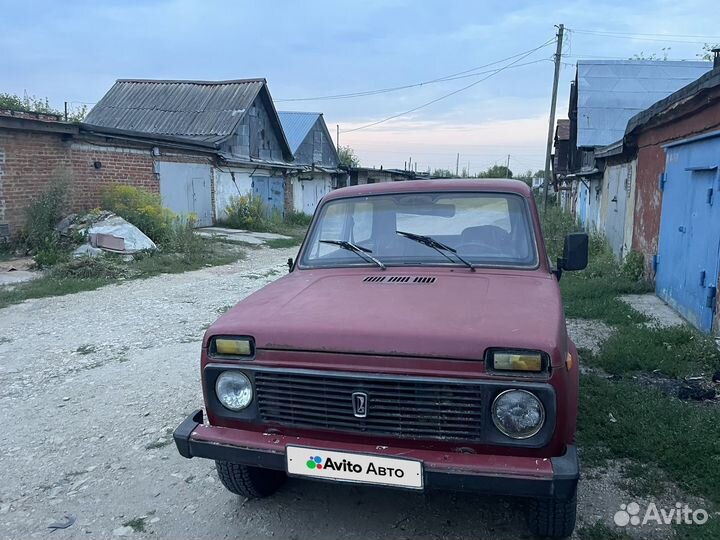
<point>307,193</point>
<point>226,187</point>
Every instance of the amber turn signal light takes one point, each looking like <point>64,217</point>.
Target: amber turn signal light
<point>227,346</point>
<point>512,361</point>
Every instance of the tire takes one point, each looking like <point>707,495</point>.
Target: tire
<point>250,482</point>
<point>552,518</point>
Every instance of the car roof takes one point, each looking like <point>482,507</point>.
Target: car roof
<point>501,185</point>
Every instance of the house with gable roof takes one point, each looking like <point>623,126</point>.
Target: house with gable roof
<point>236,119</point>
<point>314,150</point>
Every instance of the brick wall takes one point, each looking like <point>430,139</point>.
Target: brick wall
<point>117,166</point>
<point>32,162</point>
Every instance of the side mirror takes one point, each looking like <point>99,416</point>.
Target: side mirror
<point>575,252</point>
<point>290,264</point>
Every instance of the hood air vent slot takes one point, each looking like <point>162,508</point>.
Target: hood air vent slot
<point>424,280</point>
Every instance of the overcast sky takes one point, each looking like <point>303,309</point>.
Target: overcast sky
<point>74,50</point>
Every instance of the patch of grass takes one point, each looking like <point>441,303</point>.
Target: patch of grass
<point>680,439</point>
<point>108,267</point>
<point>588,297</point>
<point>277,243</point>
<point>708,531</point>
<point>250,213</point>
<point>137,524</point>
<point>592,293</point>
<point>49,286</point>
<point>640,480</point>
<point>601,532</point>
<point>675,352</point>
<point>297,219</point>
<point>87,273</point>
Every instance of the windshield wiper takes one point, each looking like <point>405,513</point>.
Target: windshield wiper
<point>441,248</point>
<point>361,251</point>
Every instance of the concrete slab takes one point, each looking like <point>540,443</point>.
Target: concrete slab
<point>17,276</point>
<point>239,235</point>
<point>662,315</point>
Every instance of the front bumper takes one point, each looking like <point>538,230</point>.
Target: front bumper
<point>481,473</point>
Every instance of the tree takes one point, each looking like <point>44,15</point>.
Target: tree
<point>707,53</point>
<point>442,173</point>
<point>348,157</point>
<point>26,104</point>
<point>34,104</point>
<point>77,115</point>
<point>496,171</point>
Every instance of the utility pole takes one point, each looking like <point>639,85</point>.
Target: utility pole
<point>457,165</point>
<point>337,136</point>
<point>66,111</point>
<point>551,122</point>
<point>507,167</point>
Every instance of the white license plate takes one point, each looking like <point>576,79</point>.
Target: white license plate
<point>350,467</point>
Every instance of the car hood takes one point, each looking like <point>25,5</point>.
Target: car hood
<point>458,315</point>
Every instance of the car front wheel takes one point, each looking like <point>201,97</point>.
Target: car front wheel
<point>250,482</point>
<point>552,518</point>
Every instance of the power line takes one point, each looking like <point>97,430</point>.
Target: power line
<point>472,72</point>
<point>636,37</point>
<point>582,30</point>
<point>445,96</point>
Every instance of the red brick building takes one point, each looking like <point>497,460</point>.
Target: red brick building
<point>38,151</point>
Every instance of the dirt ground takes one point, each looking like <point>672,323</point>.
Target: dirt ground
<point>93,385</point>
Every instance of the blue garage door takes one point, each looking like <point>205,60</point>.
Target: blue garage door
<point>689,244</point>
<point>271,190</point>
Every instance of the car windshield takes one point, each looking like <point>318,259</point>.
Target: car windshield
<point>484,229</point>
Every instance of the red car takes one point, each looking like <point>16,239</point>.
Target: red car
<point>418,342</point>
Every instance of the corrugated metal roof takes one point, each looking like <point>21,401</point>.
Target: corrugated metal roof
<point>707,82</point>
<point>610,92</point>
<point>296,126</point>
<point>200,110</point>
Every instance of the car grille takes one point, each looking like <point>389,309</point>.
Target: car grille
<point>411,408</point>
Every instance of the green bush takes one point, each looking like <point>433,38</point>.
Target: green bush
<point>106,267</point>
<point>556,224</point>
<point>246,212</point>
<point>634,266</point>
<point>183,238</point>
<point>297,219</point>
<point>40,236</point>
<point>143,209</point>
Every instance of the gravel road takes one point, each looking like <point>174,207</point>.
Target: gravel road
<point>93,385</point>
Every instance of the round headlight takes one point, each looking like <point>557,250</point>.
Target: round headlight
<point>518,413</point>
<point>234,390</point>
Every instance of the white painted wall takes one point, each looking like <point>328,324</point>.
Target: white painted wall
<point>307,193</point>
<point>226,187</point>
